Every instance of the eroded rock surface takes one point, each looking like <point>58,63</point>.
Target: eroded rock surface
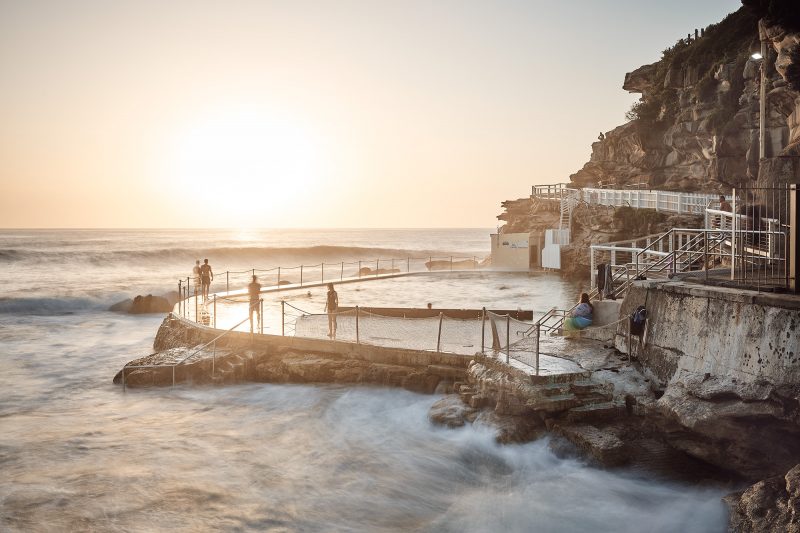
<point>770,505</point>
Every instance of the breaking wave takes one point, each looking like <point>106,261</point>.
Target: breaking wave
<point>255,255</point>
<point>49,306</point>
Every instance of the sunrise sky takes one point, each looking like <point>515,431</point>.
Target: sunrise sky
<point>310,114</point>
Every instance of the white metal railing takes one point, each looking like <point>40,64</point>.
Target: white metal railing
<point>668,201</point>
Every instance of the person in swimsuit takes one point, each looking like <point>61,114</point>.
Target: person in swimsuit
<point>206,277</point>
<point>331,305</point>
<point>196,276</point>
<point>254,290</point>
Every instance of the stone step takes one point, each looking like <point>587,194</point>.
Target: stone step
<point>551,404</point>
<point>595,411</point>
<point>554,389</point>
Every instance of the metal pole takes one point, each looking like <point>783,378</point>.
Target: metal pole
<point>227,282</point>
<point>279,277</point>
<point>215,311</point>
<point>794,239</point>
<point>508,341</point>
<point>180,295</point>
<point>483,330</point>
<point>762,104</point>
<point>538,334</point>
<point>261,315</point>
<point>196,298</point>
<point>341,274</point>
<point>734,221</point>
<point>322,276</point>
<point>301,275</point>
<point>439,337</point>
<point>377,266</point>
<point>705,251</point>
<point>357,336</point>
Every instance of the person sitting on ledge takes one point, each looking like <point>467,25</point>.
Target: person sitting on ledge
<point>581,316</point>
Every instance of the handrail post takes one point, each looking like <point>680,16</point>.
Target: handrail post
<point>538,333</point>
<point>279,278</point>
<point>283,318</point>
<point>377,265</point>
<point>439,336</point>
<point>215,311</point>
<point>508,341</point>
<point>196,299</point>
<point>358,341</point>
<point>227,281</point>
<point>341,274</point>
<point>322,276</point>
<point>301,275</point>
<point>705,252</point>
<point>261,315</point>
<point>180,295</point>
<point>483,330</point>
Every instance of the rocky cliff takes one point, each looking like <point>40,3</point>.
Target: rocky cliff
<point>696,125</point>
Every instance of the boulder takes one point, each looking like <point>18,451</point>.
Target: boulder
<point>450,411</point>
<point>770,505</point>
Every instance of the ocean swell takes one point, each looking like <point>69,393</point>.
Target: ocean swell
<point>257,256</point>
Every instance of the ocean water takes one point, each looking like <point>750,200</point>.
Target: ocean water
<point>77,454</point>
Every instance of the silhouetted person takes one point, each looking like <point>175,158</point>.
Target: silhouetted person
<point>724,205</point>
<point>196,276</point>
<point>254,290</point>
<point>331,305</point>
<point>206,277</point>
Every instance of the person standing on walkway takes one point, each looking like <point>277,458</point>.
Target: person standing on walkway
<point>196,276</point>
<point>331,305</point>
<point>206,277</point>
<point>254,290</point>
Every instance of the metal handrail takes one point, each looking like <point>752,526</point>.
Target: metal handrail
<point>182,361</point>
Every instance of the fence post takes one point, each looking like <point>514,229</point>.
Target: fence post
<point>261,315</point>
<point>341,274</point>
<point>508,340</point>
<point>377,266</point>
<point>227,281</point>
<point>180,295</point>
<point>672,249</point>
<point>439,336</point>
<point>705,251</point>
<point>196,299</point>
<point>538,332</point>
<point>283,318</point>
<point>322,276</point>
<point>357,336</point>
<point>301,275</point>
<point>215,311</point>
<point>483,330</point>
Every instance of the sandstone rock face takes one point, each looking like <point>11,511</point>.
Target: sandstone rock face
<point>770,505</point>
<point>697,125</point>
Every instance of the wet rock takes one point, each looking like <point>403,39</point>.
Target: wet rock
<point>144,305</point>
<point>450,411</point>
<point>770,505</point>
<point>510,429</point>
